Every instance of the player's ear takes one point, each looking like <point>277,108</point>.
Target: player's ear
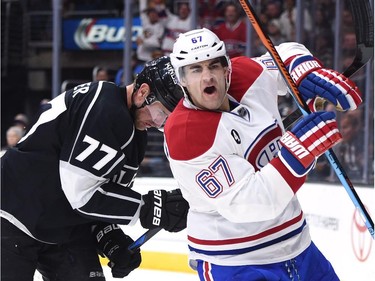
<point>141,94</point>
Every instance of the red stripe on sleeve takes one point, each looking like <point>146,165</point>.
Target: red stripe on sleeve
<point>294,182</point>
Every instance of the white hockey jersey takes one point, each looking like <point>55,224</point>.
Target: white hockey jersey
<point>243,207</point>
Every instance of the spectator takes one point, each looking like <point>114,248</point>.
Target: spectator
<point>347,24</point>
<point>349,43</point>
<point>157,53</point>
<point>13,135</point>
<point>209,13</point>
<point>232,31</point>
<point>350,150</point>
<point>176,24</point>
<point>22,121</point>
<point>323,47</point>
<point>322,22</point>
<point>274,33</point>
<point>136,66</point>
<point>288,21</point>
<point>160,6</point>
<point>151,37</point>
<point>44,101</point>
<point>100,73</point>
<point>273,10</point>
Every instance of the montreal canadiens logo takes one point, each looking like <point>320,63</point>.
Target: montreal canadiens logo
<point>361,238</point>
<point>265,147</point>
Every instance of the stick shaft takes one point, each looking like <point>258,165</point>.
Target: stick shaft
<point>364,33</point>
<point>143,239</point>
<point>335,164</point>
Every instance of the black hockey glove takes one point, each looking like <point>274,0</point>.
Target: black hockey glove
<point>164,209</point>
<point>113,243</point>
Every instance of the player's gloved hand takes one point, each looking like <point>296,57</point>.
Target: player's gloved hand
<point>313,135</point>
<point>164,209</point>
<point>317,85</point>
<point>113,243</point>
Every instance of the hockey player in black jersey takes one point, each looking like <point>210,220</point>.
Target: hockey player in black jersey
<point>67,184</point>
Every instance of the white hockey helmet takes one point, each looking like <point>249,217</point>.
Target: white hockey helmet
<point>196,46</point>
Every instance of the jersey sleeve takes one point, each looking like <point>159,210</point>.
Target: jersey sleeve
<point>99,156</point>
<point>287,51</point>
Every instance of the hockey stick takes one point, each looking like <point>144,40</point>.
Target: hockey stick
<point>143,238</point>
<point>330,155</point>
<point>139,242</point>
<point>364,33</point>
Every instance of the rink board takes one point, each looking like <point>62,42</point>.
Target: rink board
<point>335,226</point>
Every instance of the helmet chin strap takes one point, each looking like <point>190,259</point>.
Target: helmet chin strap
<point>188,99</point>
<point>133,107</point>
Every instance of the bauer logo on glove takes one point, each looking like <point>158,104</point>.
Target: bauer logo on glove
<point>313,135</point>
<point>317,85</point>
<point>293,144</point>
<point>164,209</point>
<point>157,207</point>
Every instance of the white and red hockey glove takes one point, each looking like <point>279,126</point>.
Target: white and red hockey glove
<point>313,135</point>
<point>316,83</point>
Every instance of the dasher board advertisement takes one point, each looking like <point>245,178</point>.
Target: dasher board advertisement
<point>98,33</point>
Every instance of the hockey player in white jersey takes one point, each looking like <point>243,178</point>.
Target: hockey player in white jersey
<point>72,174</point>
<point>238,168</point>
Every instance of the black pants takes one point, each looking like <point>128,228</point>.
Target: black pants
<point>21,255</point>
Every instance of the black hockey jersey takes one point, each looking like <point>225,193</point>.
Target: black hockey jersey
<point>76,165</point>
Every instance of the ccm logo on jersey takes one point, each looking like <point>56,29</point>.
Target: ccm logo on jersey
<point>269,63</point>
<point>157,207</point>
<point>294,146</point>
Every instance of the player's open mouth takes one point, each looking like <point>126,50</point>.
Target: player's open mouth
<point>210,90</point>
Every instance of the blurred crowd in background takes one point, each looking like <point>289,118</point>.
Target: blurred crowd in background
<point>163,20</point>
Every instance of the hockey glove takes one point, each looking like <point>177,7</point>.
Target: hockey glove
<point>113,243</point>
<point>311,137</point>
<point>317,85</point>
<point>164,209</point>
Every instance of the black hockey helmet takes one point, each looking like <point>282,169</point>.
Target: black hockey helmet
<point>161,78</point>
